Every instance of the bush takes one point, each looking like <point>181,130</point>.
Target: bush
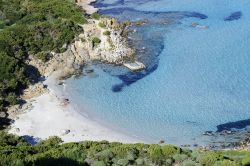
<point>51,141</point>
<point>98,163</point>
<point>96,41</point>
<point>16,151</point>
<point>10,140</point>
<point>189,163</point>
<point>96,16</point>
<point>209,158</point>
<point>168,162</point>
<point>102,25</point>
<point>227,163</point>
<point>107,33</point>
<point>155,153</point>
<point>139,161</point>
<point>170,150</point>
<point>123,162</point>
<point>180,157</point>
<point>2,24</point>
<point>105,155</point>
<point>11,98</point>
<point>246,161</point>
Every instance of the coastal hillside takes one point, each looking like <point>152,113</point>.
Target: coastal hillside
<point>31,27</point>
<point>37,37</point>
<point>15,151</point>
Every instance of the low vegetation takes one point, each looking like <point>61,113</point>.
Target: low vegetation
<point>107,33</point>
<point>96,41</point>
<point>32,27</point>
<point>15,151</point>
<point>102,25</point>
<point>96,16</point>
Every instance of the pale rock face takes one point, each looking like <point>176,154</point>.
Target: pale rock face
<point>113,48</point>
<point>34,91</point>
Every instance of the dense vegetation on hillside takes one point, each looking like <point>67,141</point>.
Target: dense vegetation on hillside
<point>14,151</point>
<point>32,27</point>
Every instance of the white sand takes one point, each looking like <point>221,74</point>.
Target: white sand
<point>85,4</point>
<point>49,118</point>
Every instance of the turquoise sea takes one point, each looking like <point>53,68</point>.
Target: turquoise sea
<point>197,78</point>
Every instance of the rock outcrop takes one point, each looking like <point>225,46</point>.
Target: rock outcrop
<point>101,40</point>
<point>112,46</point>
<point>135,66</point>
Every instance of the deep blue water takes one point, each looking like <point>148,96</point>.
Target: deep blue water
<point>196,79</point>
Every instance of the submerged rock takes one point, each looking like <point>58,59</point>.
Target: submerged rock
<point>89,71</point>
<point>197,25</point>
<point>208,133</point>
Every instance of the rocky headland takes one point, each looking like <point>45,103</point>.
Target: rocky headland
<point>101,40</point>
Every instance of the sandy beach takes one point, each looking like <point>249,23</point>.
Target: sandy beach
<point>51,114</point>
<point>49,117</point>
<point>86,5</point>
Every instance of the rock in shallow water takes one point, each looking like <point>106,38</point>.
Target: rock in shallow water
<point>65,132</point>
<point>135,66</point>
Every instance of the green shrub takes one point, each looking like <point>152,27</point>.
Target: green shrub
<point>12,98</point>
<point>96,16</point>
<point>43,56</point>
<point>2,24</point>
<point>74,153</point>
<point>102,25</point>
<point>180,157</point>
<point>107,33</point>
<point>155,153</point>
<point>246,161</point>
<point>168,162</point>
<point>105,155</point>
<point>170,150</point>
<point>15,151</point>
<point>123,162</point>
<point>226,163</point>
<point>10,140</point>
<point>189,163</point>
<point>139,161</point>
<point>51,141</point>
<point>83,40</point>
<point>132,154</point>
<point>209,158</point>
<point>96,41</point>
<point>98,163</point>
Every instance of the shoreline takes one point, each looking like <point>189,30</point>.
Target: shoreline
<point>49,117</point>
<point>48,113</point>
<point>86,5</point>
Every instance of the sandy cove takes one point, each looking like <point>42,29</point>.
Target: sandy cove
<point>49,117</point>
<point>45,115</point>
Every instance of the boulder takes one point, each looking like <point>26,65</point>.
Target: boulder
<point>65,132</point>
<point>135,66</point>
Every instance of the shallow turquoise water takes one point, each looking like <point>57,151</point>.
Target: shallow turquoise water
<point>196,78</point>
